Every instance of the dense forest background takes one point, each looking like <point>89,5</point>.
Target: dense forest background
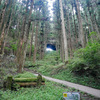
<point>59,39</point>
<point>28,29</point>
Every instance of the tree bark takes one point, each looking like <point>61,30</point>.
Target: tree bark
<point>2,39</point>
<point>61,46</point>
<point>87,26</point>
<point>3,14</point>
<point>75,28</point>
<point>21,42</point>
<point>42,41</point>
<point>69,33</point>
<point>5,24</point>
<point>7,31</point>
<point>26,36</point>
<point>35,46</point>
<point>45,36</point>
<point>93,20</point>
<point>81,33</point>
<point>63,31</point>
<point>30,52</point>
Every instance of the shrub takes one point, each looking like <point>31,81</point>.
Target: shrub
<point>87,60</point>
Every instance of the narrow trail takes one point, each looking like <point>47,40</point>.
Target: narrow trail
<point>89,90</point>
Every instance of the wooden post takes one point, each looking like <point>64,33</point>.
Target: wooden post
<point>39,80</point>
<point>9,82</point>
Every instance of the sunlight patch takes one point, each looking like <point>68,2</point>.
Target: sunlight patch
<point>49,49</point>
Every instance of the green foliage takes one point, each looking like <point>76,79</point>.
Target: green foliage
<point>52,91</point>
<point>93,33</point>
<point>87,60</point>
<point>25,75</point>
<point>94,37</point>
<point>61,71</point>
<point>75,64</point>
<point>85,80</point>
<point>7,48</point>
<point>15,86</point>
<point>52,35</point>
<point>64,73</point>
<point>29,64</point>
<point>32,48</point>
<point>14,47</point>
<point>46,65</point>
<point>28,48</point>
<point>53,57</point>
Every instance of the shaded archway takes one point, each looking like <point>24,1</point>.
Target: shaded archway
<point>51,46</point>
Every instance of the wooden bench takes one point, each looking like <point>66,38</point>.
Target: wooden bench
<point>24,82</point>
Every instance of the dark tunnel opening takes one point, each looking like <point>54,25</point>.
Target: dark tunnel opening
<point>51,46</point>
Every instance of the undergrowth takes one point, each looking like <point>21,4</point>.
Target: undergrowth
<point>80,70</point>
<point>47,92</point>
<point>83,68</point>
<point>51,91</point>
<point>63,73</point>
<point>86,61</point>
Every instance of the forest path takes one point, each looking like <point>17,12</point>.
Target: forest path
<point>89,90</point>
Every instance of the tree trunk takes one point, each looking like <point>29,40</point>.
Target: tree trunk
<point>61,46</point>
<point>45,36</point>
<point>2,39</point>
<point>3,14</point>
<point>81,33</point>
<point>93,21</point>
<point>94,6</point>
<point>63,31</point>
<point>42,40</point>
<point>96,26</point>
<point>26,38</point>
<point>87,27</point>
<point>25,44</point>
<point>75,28</point>
<point>21,42</point>
<point>7,31</point>
<point>70,41</point>
<point>30,52</point>
<point>35,46</point>
<point>5,24</point>
<point>18,26</point>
